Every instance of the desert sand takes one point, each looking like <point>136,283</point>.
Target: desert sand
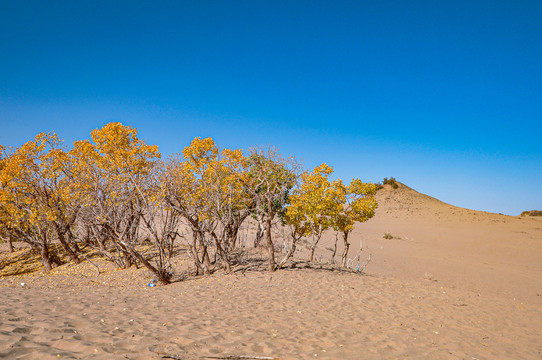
<point>451,283</point>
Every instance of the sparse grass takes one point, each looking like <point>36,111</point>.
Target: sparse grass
<point>389,236</point>
<point>532,213</point>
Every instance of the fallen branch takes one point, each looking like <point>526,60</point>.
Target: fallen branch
<point>171,356</point>
<point>240,357</point>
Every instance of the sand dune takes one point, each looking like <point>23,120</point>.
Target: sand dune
<point>451,284</point>
<point>483,252</point>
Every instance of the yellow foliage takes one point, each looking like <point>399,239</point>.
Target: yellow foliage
<point>116,162</point>
<point>359,207</point>
<point>319,203</point>
<point>31,182</point>
<point>210,180</point>
<point>313,206</point>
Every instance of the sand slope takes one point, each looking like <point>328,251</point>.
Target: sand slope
<point>486,253</point>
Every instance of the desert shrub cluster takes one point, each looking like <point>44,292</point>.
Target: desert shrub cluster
<point>391,181</point>
<point>113,193</point>
<point>532,213</point>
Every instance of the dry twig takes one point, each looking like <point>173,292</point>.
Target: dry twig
<point>240,357</point>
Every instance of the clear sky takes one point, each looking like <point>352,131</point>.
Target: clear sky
<point>445,96</point>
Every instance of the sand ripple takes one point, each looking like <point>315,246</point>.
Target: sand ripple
<point>302,314</point>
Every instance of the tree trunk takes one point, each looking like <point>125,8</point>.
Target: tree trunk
<point>332,261</point>
<point>259,235</point>
<point>221,253</point>
<point>232,241</point>
<point>161,274</point>
<point>193,249</point>
<point>10,243</point>
<point>71,254</point>
<point>315,243</point>
<point>126,260</point>
<point>204,254</point>
<point>313,248</point>
<point>311,253</point>
<point>71,240</point>
<point>289,254</point>
<point>270,248</point>
<point>45,257</point>
<point>163,278</point>
<point>346,248</point>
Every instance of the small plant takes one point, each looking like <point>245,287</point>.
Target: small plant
<point>387,236</point>
<point>391,181</point>
<point>532,213</point>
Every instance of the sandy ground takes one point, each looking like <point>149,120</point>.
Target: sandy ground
<point>451,284</point>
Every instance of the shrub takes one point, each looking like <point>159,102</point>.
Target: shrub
<point>391,181</point>
<point>532,213</point>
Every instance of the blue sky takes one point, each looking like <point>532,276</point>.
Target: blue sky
<point>445,96</point>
